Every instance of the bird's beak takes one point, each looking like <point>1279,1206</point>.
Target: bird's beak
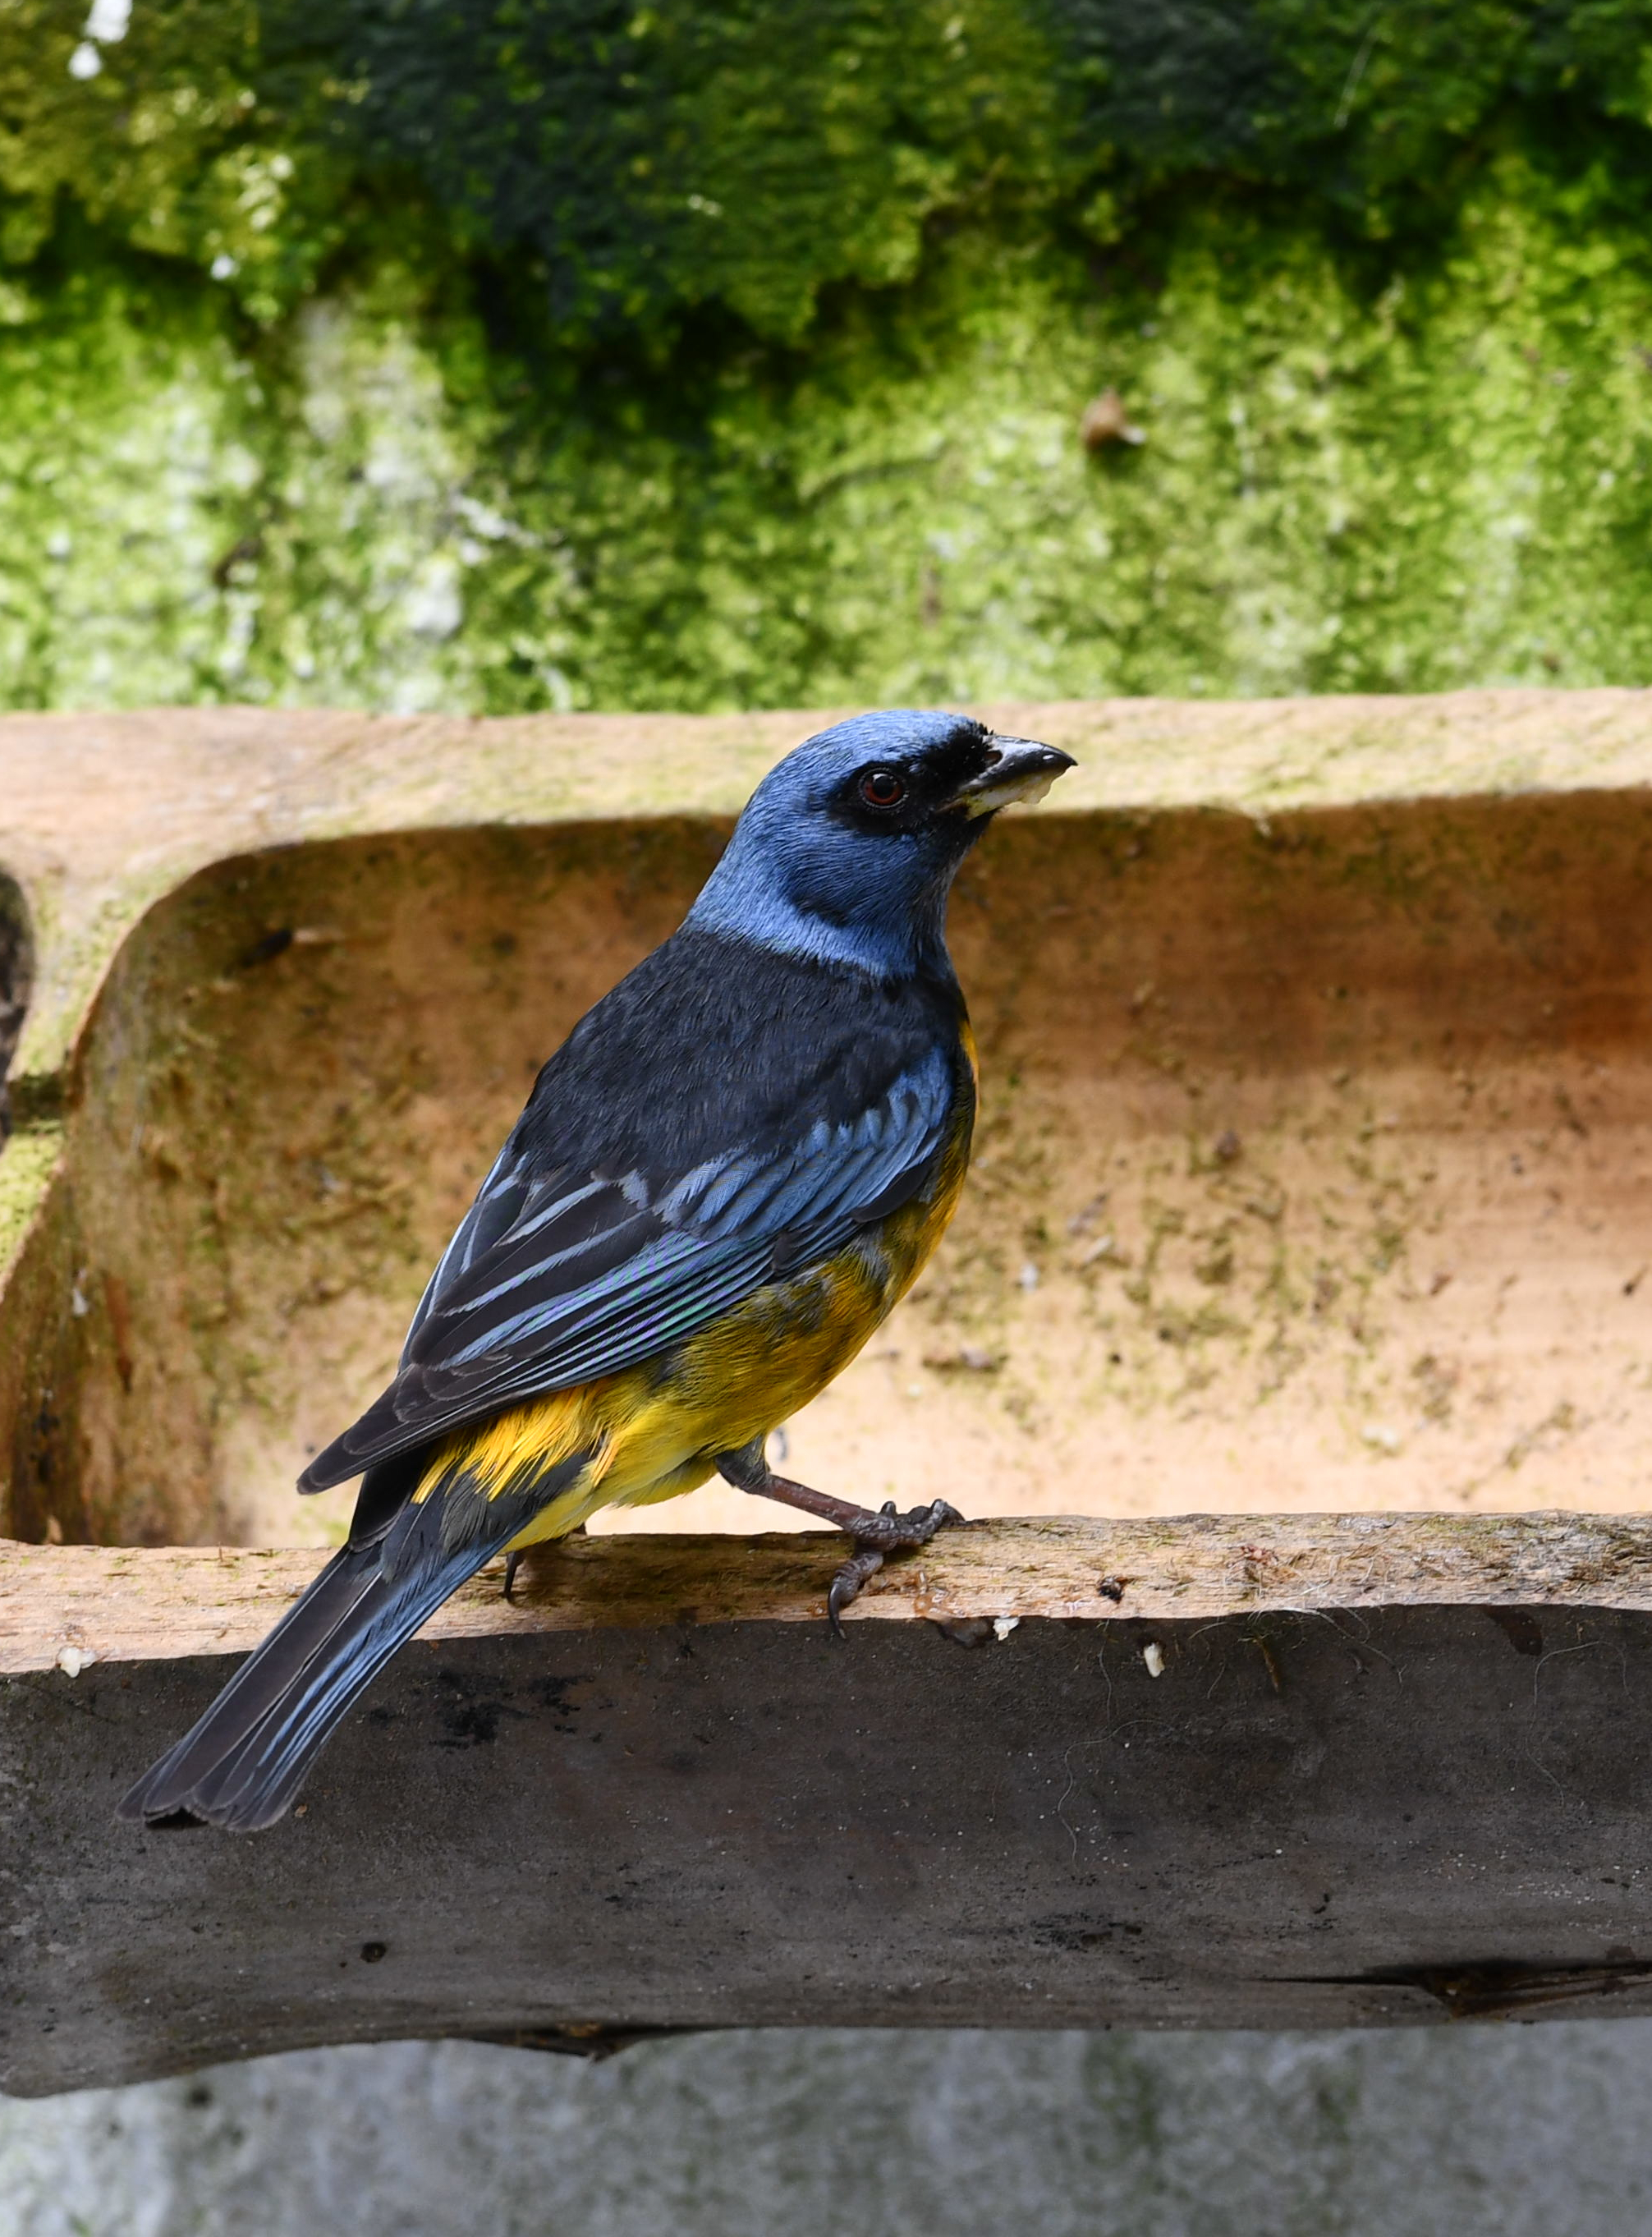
<point>1020,770</point>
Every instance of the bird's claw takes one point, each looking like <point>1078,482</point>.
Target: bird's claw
<point>892,1534</point>
<point>864,1562</point>
<point>886,1532</point>
<point>512,1563</point>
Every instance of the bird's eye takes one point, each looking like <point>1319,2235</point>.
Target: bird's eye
<point>882,788</point>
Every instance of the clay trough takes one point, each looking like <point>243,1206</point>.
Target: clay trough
<point>1298,1326</point>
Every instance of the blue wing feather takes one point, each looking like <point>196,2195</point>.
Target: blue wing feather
<point>553,1279</point>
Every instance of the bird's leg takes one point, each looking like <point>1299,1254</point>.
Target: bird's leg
<point>874,1535</point>
<point>513,1562</point>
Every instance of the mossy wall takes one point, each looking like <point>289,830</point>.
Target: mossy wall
<point>498,354</point>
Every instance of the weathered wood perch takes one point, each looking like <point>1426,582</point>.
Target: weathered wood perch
<point>1316,1172</point>
<point>1235,1771</point>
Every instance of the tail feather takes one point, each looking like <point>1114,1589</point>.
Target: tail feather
<point>241,1765</point>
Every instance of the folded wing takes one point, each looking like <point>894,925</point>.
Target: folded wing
<point>555,1277</point>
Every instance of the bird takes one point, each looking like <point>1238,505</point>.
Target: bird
<point>724,1180</point>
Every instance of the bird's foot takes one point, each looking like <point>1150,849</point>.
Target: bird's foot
<point>875,1535</point>
<point>512,1563</point>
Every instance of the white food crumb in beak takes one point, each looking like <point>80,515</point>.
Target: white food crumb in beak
<point>1153,1655</point>
<point>71,1660</point>
<point>1004,1624</point>
<point>1015,792</point>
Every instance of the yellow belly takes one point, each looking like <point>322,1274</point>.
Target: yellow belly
<point>655,1430</point>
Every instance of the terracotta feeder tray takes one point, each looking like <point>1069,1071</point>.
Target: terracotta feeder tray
<point>1297,1330</point>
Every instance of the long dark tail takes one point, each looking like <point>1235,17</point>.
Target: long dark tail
<point>242,1764</point>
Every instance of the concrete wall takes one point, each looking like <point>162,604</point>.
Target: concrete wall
<point>1478,2132</point>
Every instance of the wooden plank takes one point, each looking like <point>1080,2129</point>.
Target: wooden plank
<point>1370,1816</point>
<point>128,1603</point>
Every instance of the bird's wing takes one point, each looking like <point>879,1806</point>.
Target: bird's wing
<point>553,1279</point>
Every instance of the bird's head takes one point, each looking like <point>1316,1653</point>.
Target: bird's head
<point>847,849</point>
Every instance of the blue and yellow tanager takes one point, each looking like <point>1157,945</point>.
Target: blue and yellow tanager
<point>724,1180</point>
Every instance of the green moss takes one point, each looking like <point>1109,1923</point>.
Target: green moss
<point>1379,115</point>
<point>567,355</point>
<point>642,161</point>
<point>183,139</point>
<point>28,1159</point>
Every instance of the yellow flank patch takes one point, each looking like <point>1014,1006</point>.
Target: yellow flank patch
<point>502,1453</point>
<point>655,1430</point>
<point>966,1041</point>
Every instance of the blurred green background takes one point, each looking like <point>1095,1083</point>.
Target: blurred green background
<point>500,354</point>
